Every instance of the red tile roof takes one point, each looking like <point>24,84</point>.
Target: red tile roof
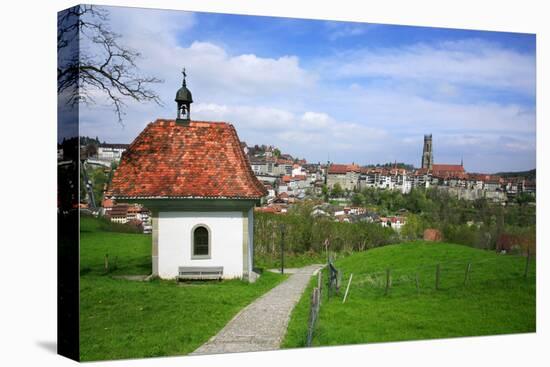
<point>201,160</point>
<point>448,171</point>
<point>107,203</point>
<point>119,210</point>
<point>338,168</point>
<point>283,195</point>
<point>287,179</point>
<point>343,168</point>
<point>284,161</point>
<point>447,168</point>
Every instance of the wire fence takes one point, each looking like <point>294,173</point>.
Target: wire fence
<point>334,279</point>
<point>314,308</point>
<point>437,276</point>
<point>443,275</point>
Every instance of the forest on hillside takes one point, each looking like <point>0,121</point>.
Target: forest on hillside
<point>476,223</point>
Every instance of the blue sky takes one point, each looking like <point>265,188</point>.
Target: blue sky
<point>357,92</point>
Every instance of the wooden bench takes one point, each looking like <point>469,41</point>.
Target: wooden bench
<point>199,273</point>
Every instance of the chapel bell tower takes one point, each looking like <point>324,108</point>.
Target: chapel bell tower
<point>184,100</point>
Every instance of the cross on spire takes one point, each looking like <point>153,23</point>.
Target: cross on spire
<point>184,76</point>
<point>184,100</point>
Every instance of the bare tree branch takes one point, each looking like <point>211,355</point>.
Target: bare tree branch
<point>106,67</point>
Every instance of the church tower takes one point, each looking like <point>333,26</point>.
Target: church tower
<point>427,153</point>
<point>184,100</point>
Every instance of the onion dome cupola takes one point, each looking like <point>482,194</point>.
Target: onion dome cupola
<point>184,100</point>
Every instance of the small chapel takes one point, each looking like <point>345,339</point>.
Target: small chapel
<point>200,188</point>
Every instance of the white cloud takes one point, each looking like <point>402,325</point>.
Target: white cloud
<point>248,74</point>
<point>468,62</point>
<point>316,120</point>
<point>311,134</point>
<point>213,73</point>
<point>338,30</point>
<point>400,110</point>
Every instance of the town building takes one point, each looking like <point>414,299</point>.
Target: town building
<point>119,213</point>
<point>346,175</point>
<point>395,222</point>
<point>111,152</point>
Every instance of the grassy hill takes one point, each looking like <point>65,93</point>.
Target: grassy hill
<point>131,319</point>
<point>496,300</point>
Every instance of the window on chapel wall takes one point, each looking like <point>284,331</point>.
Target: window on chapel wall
<point>201,242</point>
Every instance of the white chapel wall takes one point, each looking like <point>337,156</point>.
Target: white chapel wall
<point>174,241</point>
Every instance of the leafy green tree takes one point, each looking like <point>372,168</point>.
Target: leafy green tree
<point>413,228</point>
<point>325,193</point>
<point>357,199</point>
<point>524,198</point>
<point>337,191</point>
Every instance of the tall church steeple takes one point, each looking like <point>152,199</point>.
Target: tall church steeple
<point>427,153</point>
<point>184,100</point>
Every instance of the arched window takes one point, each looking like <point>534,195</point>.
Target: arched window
<point>201,242</point>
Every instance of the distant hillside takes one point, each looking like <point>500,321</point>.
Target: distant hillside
<point>531,174</point>
<point>86,140</point>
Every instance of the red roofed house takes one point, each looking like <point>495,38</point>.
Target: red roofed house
<point>198,184</point>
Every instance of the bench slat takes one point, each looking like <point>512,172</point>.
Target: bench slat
<point>200,272</point>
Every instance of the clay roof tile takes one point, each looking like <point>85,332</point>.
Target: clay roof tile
<point>201,160</point>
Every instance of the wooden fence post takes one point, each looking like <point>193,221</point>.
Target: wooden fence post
<point>329,281</point>
<point>282,248</point>
<point>318,302</point>
<point>314,311</point>
<point>467,273</point>
<point>347,288</point>
<point>339,275</point>
<point>319,283</point>
<point>387,282</point>
<point>527,262</point>
<point>437,275</point>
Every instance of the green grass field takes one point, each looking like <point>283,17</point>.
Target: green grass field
<point>130,319</point>
<point>496,300</point>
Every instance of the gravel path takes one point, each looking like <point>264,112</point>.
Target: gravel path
<point>262,324</point>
